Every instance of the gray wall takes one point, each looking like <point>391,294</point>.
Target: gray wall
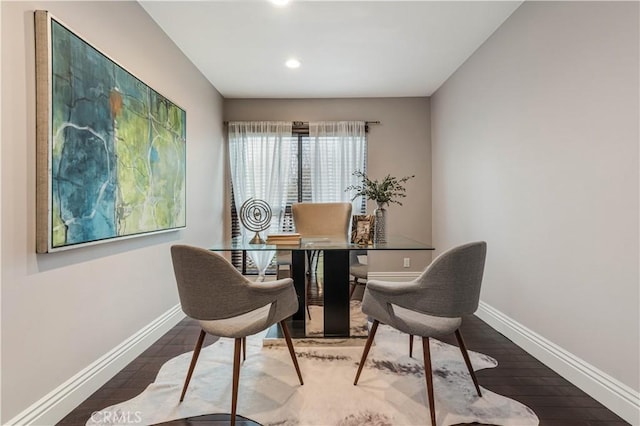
<point>535,150</point>
<point>399,146</point>
<point>62,311</point>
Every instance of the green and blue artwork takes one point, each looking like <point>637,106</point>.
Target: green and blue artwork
<point>117,153</point>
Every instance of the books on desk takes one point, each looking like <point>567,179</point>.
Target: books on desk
<point>285,239</point>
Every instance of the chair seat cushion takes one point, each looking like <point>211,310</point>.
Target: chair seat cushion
<point>239,326</point>
<point>359,271</point>
<point>420,324</point>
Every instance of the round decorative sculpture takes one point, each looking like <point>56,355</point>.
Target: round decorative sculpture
<point>255,215</point>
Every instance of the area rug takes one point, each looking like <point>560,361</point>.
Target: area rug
<point>391,390</point>
<point>357,321</point>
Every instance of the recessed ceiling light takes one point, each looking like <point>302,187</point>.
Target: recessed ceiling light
<point>279,2</point>
<point>292,63</point>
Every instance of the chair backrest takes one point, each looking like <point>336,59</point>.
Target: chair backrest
<point>357,269</point>
<point>208,285</point>
<point>327,220</point>
<point>452,281</point>
<point>353,256</point>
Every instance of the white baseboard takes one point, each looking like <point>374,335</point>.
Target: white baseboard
<point>54,406</point>
<point>610,392</point>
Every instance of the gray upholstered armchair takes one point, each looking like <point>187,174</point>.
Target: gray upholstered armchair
<point>432,305</point>
<point>360,271</point>
<point>227,304</point>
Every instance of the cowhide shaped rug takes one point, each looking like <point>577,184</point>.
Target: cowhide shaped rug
<point>391,389</point>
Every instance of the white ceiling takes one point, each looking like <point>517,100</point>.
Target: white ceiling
<point>347,48</point>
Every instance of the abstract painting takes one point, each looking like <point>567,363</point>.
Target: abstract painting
<point>111,151</point>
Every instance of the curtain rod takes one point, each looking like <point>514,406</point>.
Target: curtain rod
<point>306,123</point>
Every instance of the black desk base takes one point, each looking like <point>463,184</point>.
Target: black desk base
<point>336,293</point>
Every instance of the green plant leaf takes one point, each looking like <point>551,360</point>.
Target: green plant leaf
<point>384,192</point>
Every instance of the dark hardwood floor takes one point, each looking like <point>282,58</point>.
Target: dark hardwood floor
<point>518,375</point>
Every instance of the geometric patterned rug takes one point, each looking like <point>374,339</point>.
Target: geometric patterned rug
<point>391,389</point>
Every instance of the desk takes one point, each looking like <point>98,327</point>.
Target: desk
<point>336,275</point>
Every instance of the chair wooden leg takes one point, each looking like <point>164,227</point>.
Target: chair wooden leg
<point>467,361</point>
<point>367,346</point>
<point>287,337</point>
<point>316,256</point>
<point>312,259</point>
<point>244,349</point>
<point>194,359</point>
<point>353,288</point>
<point>411,346</point>
<point>429,376</point>
<point>236,379</point>
<point>306,299</point>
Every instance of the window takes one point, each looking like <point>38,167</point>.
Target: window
<point>320,166</point>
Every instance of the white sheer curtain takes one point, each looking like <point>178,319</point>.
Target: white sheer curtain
<point>338,148</point>
<point>259,153</point>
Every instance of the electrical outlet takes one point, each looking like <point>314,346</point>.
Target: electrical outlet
<point>407,262</point>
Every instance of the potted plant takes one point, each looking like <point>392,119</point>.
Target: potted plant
<point>389,190</point>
